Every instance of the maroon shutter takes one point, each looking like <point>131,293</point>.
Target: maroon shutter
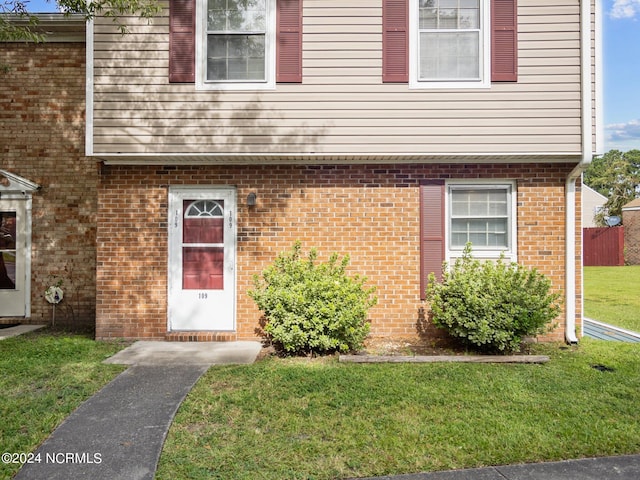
<point>504,41</point>
<point>289,41</point>
<point>395,41</point>
<point>182,41</point>
<point>432,241</point>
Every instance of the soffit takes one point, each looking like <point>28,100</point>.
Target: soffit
<point>279,159</point>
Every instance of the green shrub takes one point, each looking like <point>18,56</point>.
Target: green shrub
<point>313,307</point>
<point>491,305</point>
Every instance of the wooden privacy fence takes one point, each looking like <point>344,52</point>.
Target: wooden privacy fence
<point>603,246</point>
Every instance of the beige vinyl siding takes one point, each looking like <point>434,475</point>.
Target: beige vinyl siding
<point>342,107</point>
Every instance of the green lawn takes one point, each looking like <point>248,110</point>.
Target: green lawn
<point>44,378</point>
<point>303,419</point>
<point>317,418</point>
<point>612,295</point>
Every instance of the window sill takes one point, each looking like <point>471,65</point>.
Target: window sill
<point>235,86</point>
<point>421,85</point>
<point>483,255</point>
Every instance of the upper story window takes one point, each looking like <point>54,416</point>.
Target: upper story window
<point>449,40</point>
<point>449,45</point>
<point>235,44</point>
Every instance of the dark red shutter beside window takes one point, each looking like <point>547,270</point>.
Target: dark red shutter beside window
<point>182,41</point>
<point>432,239</point>
<point>504,41</point>
<point>289,41</point>
<point>395,41</point>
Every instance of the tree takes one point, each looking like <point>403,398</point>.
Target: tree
<point>616,175</point>
<point>18,24</point>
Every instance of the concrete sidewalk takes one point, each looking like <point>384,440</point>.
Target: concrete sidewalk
<point>187,353</point>
<point>604,331</point>
<point>18,330</point>
<point>625,467</point>
<point>118,433</point>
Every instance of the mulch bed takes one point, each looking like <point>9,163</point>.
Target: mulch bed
<point>418,349</point>
<point>431,350</point>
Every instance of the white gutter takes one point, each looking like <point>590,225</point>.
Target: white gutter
<point>570,185</point>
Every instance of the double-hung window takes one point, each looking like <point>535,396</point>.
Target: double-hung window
<point>483,215</point>
<point>236,44</point>
<point>449,43</point>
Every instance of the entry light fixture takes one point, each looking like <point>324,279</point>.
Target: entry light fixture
<point>251,199</point>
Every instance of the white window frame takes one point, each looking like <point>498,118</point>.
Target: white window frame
<point>483,253</point>
<point>269,83</point>
<point>484,52</point>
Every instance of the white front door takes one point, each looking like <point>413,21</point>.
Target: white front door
<point>202,248</point>
<point>14,252</point>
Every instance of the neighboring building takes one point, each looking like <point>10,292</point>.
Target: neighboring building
<point>631,221</point>
<point>48,188</point>
<point>592,204</point>
<point>386,129</point>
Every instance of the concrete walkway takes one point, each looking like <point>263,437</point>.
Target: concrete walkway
<point>18,330</point>
<point>118,433</point>
<point>187,353</point>
<point>604,331</point>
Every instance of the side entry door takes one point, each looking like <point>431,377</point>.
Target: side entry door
<point>14,251</point>
<point>202,249</point>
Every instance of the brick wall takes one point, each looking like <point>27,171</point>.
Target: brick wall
<point>42,105</point>
<point>631,220</point>
<point>368,211</point>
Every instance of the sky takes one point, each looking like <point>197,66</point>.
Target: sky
<point>621,62</point>
<point>621,66</point>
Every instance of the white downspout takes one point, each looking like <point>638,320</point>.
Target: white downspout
<point>88,99</point>
<point>570,185</point>
<point>570,247</point>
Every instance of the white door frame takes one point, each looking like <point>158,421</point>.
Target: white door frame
<point>195,309</point>
<point>15,196</point>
